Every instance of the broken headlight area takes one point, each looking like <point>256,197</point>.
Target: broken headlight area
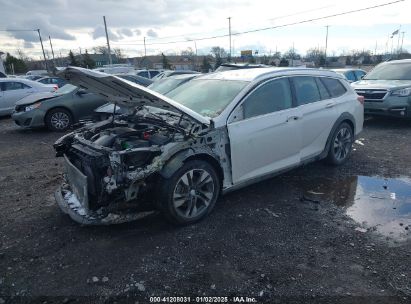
<point>111,166</point>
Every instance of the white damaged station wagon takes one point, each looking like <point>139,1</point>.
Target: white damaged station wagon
<point>213,134</point>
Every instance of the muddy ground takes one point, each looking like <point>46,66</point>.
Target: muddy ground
<point>287,239</point>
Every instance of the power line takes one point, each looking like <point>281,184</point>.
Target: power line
<point>13,30</point>
<point>224,29</point>
<point>270,27</point>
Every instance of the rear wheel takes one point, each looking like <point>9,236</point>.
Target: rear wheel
<point>59,120</point>
<point>341,145</point>
<point>190,193</point>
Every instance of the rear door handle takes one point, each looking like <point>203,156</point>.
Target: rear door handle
<point>293,118</point>
<point>329,105</point>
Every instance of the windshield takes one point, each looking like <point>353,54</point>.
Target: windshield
<point>207,97</point>
<point>66,89</point>
<point>390,71</point>
<point>166,85</point>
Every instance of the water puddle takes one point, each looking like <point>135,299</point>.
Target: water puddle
<point>380,204</point>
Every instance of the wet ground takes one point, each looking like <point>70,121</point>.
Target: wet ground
<point>315,234</point>
<point>378,204</point>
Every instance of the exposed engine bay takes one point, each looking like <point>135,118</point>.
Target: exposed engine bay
<point>121,159</point>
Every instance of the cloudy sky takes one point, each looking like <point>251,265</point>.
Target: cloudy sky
<point>78,24</point>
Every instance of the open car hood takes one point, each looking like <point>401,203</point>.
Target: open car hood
<point>125,93</point>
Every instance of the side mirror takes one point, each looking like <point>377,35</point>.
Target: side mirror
<point>81,92</point>
<point>362,77</point>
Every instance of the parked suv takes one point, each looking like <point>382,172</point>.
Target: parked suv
<point>211,135</point>
<point>387,89</point>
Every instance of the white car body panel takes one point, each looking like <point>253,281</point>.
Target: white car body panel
<point>263,144</point>
<point>316,121</point>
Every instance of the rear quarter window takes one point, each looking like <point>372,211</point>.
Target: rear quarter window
<point>334,86</point>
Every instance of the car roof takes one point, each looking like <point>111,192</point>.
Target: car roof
<point>245,65</point>
<point>346,70</point>
<point>397,61</point>
<point>24,80</point>
<point>258,73</point>
<point>182,76</point>
<point>48,77</point>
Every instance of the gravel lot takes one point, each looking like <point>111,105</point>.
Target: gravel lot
<point>287,239</point>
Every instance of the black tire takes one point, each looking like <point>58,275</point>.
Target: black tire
<point>202,192</point>
<point>58,120</point>
<point>340,145</point>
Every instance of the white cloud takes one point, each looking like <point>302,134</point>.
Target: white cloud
<point>151,33</point>
<point>78,22</point>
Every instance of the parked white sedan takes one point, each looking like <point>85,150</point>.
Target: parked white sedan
<point>213,134</point>
<point>14,89</point>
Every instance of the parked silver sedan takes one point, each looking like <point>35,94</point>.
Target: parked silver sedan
<point>14,89</point>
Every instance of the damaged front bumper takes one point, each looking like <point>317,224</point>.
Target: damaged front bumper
<point>72,198</point>
<point>69,204</point>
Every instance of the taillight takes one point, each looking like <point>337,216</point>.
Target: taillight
<point>55,88</point>
<point>360,99</point>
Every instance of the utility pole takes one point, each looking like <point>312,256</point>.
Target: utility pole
<point>52,51</point>
<point>145,50</point>
<point>108,42</point>
<point>398,43</point>
<point>375,51</point>
<point>326,45</point>
<point>195,45</point>
<point>229,33</point>
<point>402,41</point>
<point>42,47</point>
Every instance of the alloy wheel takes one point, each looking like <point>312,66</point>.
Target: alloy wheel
<point>60,120</point>
<point>193,193</point>
<point>342,144</point>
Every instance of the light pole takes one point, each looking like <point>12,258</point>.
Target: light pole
<point>42,47</point>
<point>326,45</point>
<point>229,33</point>
<point>108,42</point>
<point>52,51</point>
<point>402,41</point>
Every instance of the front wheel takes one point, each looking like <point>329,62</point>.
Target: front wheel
<point>341,145</point>
<point>58,120</point>
<point>190,193</point>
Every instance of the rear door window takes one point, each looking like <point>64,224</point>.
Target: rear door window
<point>334,86</point>
<point>153,73</point>
<point>270,97</point>
<point>13,85</point>
<point>359,74</point>
<point>350,76</point>
<point>144,74</point>
<point>306,90</point>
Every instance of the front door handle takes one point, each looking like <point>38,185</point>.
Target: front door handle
<point>329,105</point>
